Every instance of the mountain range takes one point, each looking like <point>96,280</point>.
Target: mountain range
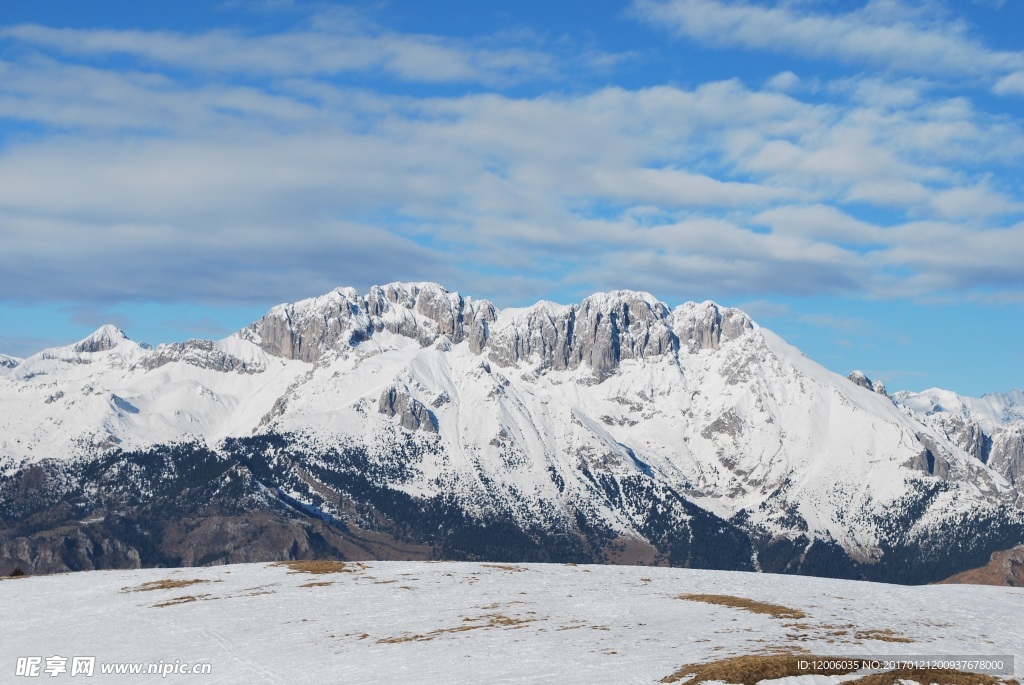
<point>411,422</point>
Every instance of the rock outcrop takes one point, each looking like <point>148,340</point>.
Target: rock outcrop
<point>861,379</point>
<point>1007,455</point>
<point>410,412</point>
<point>203,354</point>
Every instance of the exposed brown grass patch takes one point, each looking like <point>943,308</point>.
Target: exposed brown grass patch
<point>886,635</point>
<point>751,669</point>
<point>930,677</point>
<point>322,583</point>
<point>478,623</point>
<point>506,567</point>
<point>775,610</point>
<point>165,584</point>
<point>748,670</point>
<point>321,566</point>
<point>182,600</point>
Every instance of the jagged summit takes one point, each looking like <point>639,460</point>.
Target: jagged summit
<point>9,362</point>
<point>600,332</point>
<point>343,318</point>
<point>104,338</point>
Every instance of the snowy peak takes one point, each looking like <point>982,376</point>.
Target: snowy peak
<point>8,362</point>
<point>106,337</point>
<point>990,411</point>
<point>860,378</point>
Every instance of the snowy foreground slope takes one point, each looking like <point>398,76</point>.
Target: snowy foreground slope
<point>412,422</point>
<point>409,622</point>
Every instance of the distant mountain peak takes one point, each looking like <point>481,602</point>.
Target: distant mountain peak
<point>9,362</point>
<point>106,337</point>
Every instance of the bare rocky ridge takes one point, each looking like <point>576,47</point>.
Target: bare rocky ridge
<point>423,311</point>
<point>599,333</point>
<point>202,354</point>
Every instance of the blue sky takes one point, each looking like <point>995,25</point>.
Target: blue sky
<point>847,172</point>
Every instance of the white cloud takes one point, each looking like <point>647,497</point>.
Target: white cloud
<point>882,33</point>
<point>784,81</point>
<point>146,184</point>
<point>1011,84</point>
<point>423,58</point>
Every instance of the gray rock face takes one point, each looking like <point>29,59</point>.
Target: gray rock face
<point>965,434</point>
<point>410,411</point>
<point>705,325</point>
<point>8,362</point>
<point>343,318</point>
<point>618,326</point>
<point>929,460</point>
<point>203,354</point>
<point>608,328</point>
<point>1007,455</point>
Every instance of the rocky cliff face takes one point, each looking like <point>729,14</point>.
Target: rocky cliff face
<point>342,319</point>
<point>411,413</point>
<point>1007,454</point>
<point>599,333</point>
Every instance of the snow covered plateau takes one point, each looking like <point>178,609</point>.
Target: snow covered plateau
<point>469,623</point>
<point>411,422</point>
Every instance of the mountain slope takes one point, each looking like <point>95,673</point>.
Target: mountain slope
<point>617,429</point>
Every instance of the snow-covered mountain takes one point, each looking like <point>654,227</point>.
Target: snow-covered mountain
<point>415,421</point>
<point>8,362</point>
<point>989,428</point>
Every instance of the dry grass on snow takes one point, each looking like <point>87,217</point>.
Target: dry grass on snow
<point>165,584</point>
<point>321,566</point>
<point>756,607</point>
<point>749,670</point>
